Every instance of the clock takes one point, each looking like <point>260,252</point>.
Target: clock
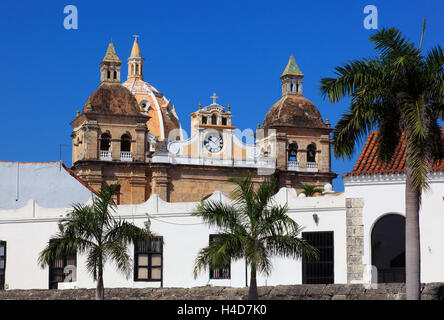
<point>213,142</point>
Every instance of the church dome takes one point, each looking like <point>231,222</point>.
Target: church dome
<point>294,111</point>
<point>112,99</point>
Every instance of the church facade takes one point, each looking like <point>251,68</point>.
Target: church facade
<point>130,133</point>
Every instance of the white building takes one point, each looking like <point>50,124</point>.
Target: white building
<point>382,186</point>
<point>361,227</point>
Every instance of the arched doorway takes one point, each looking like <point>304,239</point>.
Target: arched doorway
<point>388,248</point>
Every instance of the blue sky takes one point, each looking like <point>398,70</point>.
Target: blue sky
<point>237,49</point>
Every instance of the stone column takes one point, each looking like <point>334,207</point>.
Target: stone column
<point>115,149</point>
<point>281,150</point>
<point>355,239</point>
<point>161,182</point>
<point>91,140</point>
<point>140,145</point>
<point>323,157</point>
<point>138,187</point>
<point>92,176</point>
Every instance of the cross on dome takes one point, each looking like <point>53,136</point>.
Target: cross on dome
<point>214,97</point>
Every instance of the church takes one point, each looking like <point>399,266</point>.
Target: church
<point>130,133</point>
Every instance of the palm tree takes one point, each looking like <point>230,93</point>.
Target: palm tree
<point>400,92</point>
<point>93,230</point>
<point>310,190</point>
<point>252,227</point>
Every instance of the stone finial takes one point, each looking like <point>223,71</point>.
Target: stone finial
<point>200,106</point>
<point>328,189</point>
<point>228,107</point>
<point>77,113</point>
<point>258,125</point>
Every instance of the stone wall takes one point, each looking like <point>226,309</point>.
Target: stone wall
<point>393,291</point>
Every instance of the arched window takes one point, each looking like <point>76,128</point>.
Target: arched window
<point>109,74</point>
<point>291,87</point>
<point>125,143</point>
<point>292,152</point>
<point>311,153</point>
<point>105,142</point>
<point>137,68</point>
<point>214,119</point>
<point>388,248</point>
<point>132,69</point>
<point>115,74</point>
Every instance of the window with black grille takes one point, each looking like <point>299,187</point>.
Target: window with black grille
<point>148,260</point>
<point>319,271</point>
<point>62,270</point>
<point>2,264</point>
<point>220,273</point>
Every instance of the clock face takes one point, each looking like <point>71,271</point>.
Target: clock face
<point>213,142</point>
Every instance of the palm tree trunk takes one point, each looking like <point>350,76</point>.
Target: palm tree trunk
<point>100,290</point>
<point>252,291</point>
<point>413,253</point>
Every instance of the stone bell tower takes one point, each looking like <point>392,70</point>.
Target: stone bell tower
<point>303,138</point>
<point>292,79</point>
<point>110,67</point>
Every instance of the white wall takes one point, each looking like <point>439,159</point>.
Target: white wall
<point>384,194</point>
<point>28,229</point>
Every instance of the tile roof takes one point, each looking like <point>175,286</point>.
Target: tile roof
<point>111,55</point>
<point>369,163</point>
<point>292,68</point>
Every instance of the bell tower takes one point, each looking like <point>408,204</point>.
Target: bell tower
<point>135,62</point>
<point>110,67</point>
<point>213,116</point>
<point>292,79</point>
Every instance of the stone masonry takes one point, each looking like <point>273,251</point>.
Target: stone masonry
<point>355,239</point>
<point>392,291</point>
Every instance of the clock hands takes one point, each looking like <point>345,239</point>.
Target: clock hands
<point>212,143</point>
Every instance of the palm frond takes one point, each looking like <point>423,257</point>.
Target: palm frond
<point>123,231</point>
<point>225,216</point>
<point>117,251</point>
<point>291,246</point>
<point>263,195</point>
<point>310,190</point>
<point>95,260</point>
<point>219,252</point>
<point>392,44</point>
<point>349,77</point>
